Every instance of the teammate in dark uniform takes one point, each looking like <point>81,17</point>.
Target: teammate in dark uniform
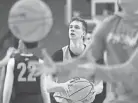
<point>20,79</point>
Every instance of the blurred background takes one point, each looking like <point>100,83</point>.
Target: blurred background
<point>92,11</point>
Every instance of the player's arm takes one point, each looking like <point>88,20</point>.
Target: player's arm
<point>100,34</point>
<point>49,82</point>
<point>120,71</point>
<point>98,86</point>
<point>45,94</point>
<point>53,86</point>
<point>9,79</point>
<point>2,78</point>
<point>4,61</point>
<point>110,73</point>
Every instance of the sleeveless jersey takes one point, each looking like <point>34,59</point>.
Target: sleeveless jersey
<point>24,82</point>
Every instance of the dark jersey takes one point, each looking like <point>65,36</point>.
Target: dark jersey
<point>24,82</point>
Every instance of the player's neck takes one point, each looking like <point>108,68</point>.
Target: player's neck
<point>77,46</point>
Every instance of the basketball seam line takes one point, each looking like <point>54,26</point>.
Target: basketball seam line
<point>30,20</point>
<point>30,9</point>
<point>81,81</point>
<point>79,90</point>
<point>86,95</point>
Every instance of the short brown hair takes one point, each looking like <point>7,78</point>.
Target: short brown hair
<point>80,20</point>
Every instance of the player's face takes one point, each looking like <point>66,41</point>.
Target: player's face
<point>76,30</point>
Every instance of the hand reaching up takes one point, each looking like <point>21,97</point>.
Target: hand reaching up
<point>10,51</point>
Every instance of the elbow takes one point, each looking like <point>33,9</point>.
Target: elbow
<point>98,89</point>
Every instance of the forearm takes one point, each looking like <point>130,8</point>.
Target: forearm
<point>100,34</point>
<point>51,85</point>
<point>110,73</point>
<point>98,87</point>
<point>64,69</point>
<point>7,93</point>
<point>4,61</point>
<point>55,87</point>
<point>106,26</point>
<point>2,78</point>
<point>7,96</point>
<point>46,97</point>
<point>45,94</point>
<point>9,79</point>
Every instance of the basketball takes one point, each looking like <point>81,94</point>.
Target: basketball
<point>81,90</point>
<point>30,20</point>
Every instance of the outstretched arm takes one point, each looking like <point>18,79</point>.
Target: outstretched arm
<point>100,34</point>
<point>53,86</point>
<point>96,48</point>
<point>8,81</point>
<point>111,74</point>
<point>5,60</point>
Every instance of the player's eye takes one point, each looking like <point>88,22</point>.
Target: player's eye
<point>77,27</point>
<point>70,26</point>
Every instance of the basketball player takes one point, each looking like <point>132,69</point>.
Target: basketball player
<point>77,33</point>
<point>19,78</point>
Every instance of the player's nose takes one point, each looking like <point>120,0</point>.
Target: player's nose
<point>72,30</point>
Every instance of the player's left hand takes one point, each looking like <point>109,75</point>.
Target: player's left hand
<point>61,98</point>
<point>10,51</point>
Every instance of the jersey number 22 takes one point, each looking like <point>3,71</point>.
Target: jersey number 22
<point>23,68</point>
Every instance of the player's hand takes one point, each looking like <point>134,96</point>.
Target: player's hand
<point>66,86</point>
<point>10,51</point>
<point>63,95</point>
<point>61,98</point>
